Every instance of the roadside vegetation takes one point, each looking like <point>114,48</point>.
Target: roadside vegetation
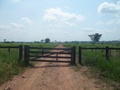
<point>9,65</point>
<point>109,69</point>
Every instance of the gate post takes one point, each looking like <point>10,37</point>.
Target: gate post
<point>26,54</point>
<point>73,56</point>
<point>20,52</point>
<point>80,56</point>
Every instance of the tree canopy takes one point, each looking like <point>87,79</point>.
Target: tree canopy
<point>47,40</point>
<point>95,37</point>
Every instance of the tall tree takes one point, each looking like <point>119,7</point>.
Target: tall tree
<point>95,37</point>
<point>47,40</point>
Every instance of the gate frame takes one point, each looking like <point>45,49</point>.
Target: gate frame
<point>27,54</point>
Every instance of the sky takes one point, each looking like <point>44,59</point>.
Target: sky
<point>60,20</point>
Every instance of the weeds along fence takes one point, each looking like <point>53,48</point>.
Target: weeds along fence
<point>108,51</point>
<point>20,50</point>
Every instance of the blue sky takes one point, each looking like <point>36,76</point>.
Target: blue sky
<point>61,20</point>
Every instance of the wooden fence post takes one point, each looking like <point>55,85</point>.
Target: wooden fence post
<point>28,49</point>
<point>80,56</point>
<point>107,52</point>
<point>20,52</point>
<point>73,56</point>
<point>26,54</point>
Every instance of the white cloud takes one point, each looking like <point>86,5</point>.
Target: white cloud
<point>16,26</point>
<point>59,16</point>
<point>109,8</point>
<point>12,26</point>
<point>26,20</point>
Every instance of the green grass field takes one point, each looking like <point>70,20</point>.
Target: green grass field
<point>9,65</point>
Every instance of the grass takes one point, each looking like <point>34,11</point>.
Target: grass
<point>9,65</point>
<point>109,69</point>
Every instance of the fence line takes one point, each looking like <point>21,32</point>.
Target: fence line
<point>20,47</point>
<point>27,52</point>
<point>107,50</point>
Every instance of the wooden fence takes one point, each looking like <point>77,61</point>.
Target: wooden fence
<point>106,49</point>
<point>20,48</point>
<point>42,52</point>
<point>46,53</point>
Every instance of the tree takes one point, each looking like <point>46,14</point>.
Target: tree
<point>47,40</point>
<point>42,40</point>
<point>95,37</point>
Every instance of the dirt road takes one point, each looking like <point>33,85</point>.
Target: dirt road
<point>54,76</point>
